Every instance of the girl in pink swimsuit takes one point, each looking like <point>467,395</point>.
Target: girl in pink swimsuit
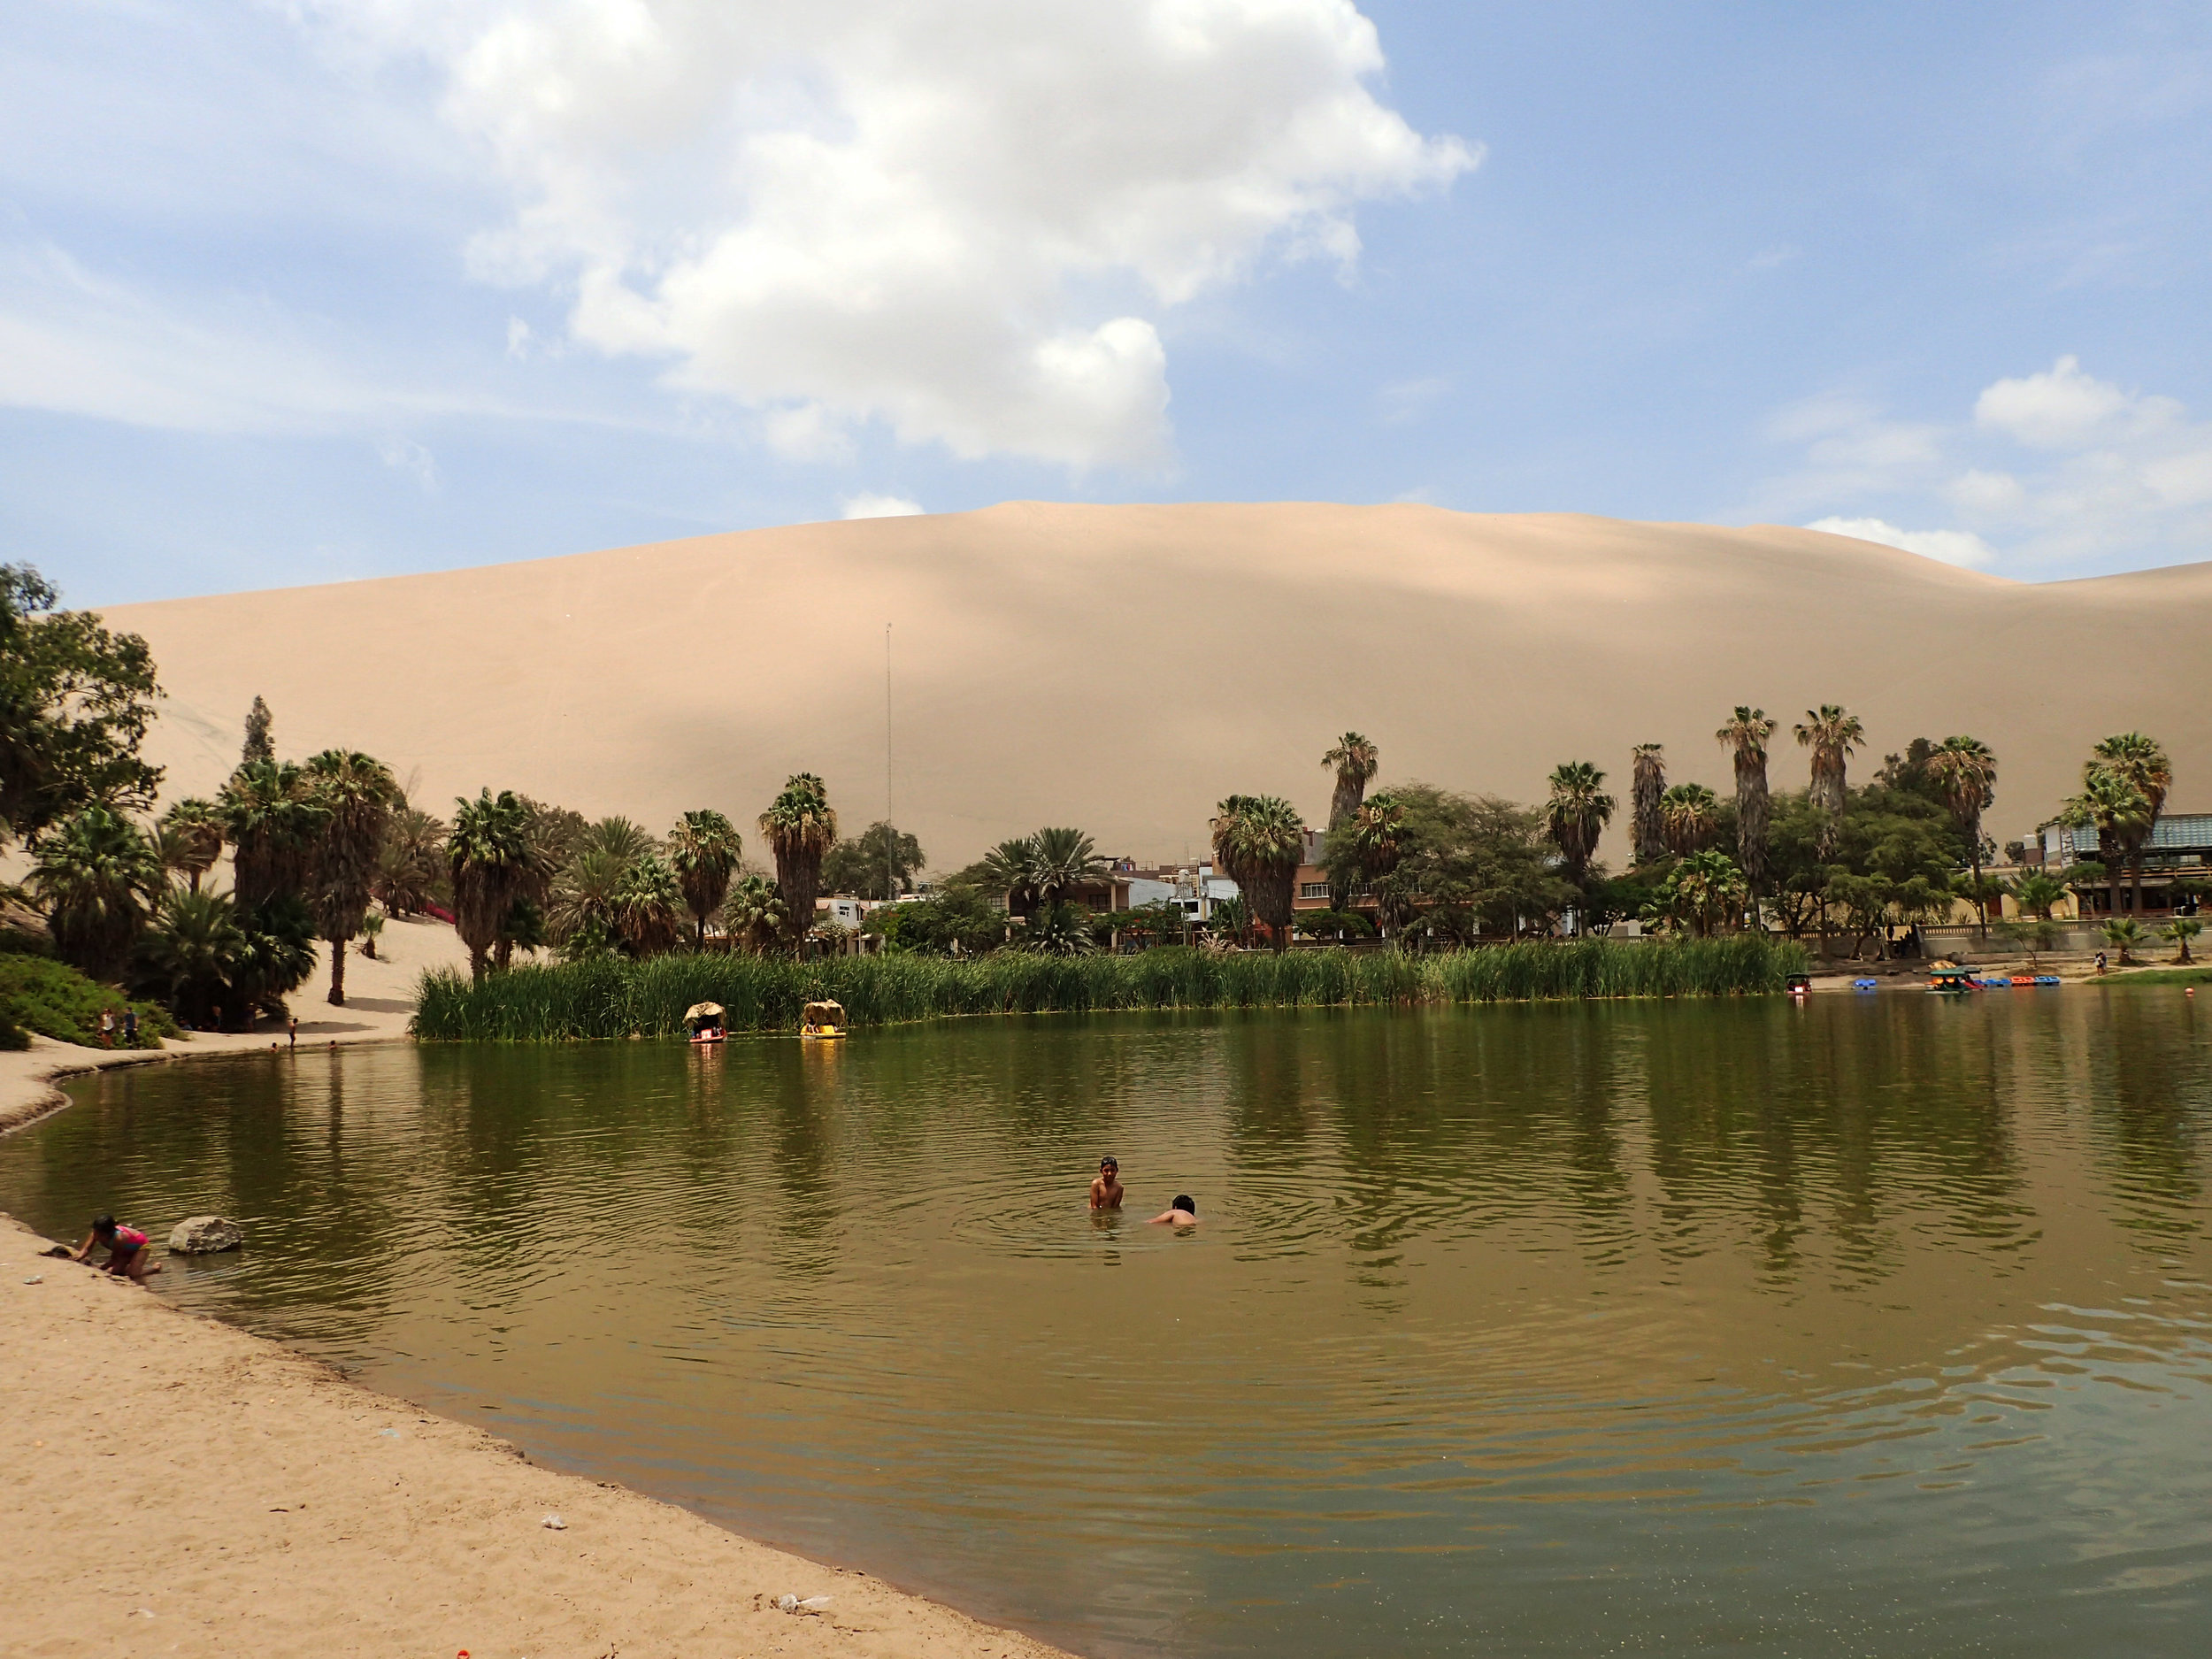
<point>129,1252</point>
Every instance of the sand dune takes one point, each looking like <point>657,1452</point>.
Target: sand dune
<point>1123,668</point>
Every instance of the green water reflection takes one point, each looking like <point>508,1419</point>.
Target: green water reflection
<point>1880,1326</point>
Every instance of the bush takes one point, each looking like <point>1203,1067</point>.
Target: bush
<point>613,997</point>
<point>38,994</point>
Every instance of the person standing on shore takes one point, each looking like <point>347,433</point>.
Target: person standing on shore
<point>130,1027</point>
<point>107,1028</point>
<point>1106,1190</point>
<point>130,1254</point>
<point>292,1032</point>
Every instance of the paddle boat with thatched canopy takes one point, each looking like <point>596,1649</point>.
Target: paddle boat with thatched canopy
<point>820,1021</point>
<point>703,1022</point>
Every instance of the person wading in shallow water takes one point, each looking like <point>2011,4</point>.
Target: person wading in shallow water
<point>1106,1190</point>
<point>129,1253</point>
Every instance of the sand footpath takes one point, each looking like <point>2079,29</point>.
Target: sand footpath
<point>176,1486</point>
<point>169,1485</point>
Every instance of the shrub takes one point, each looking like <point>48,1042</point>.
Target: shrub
<point>51,998</point>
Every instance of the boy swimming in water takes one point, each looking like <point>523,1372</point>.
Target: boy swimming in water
<point>1182,1213</point>
<point>1106,1190</point>
<point>130,1255</point>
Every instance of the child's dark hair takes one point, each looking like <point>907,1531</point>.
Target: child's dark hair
<point>1184,1202</point>
<point>103,1224</point>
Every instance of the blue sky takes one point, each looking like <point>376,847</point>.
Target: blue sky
<point>305,291</point>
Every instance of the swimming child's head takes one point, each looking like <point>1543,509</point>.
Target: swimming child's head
<point>1109,1167</point>
<point>103,1225</point>
<point>1184,1202</point>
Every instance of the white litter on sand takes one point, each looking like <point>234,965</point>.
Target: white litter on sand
<point>811,1604</point>
<point>555,1523</point>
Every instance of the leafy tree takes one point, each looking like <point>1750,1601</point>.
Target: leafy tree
<point>586,893</point>
<point>274,959</point>
<point>1259,842</point>
<point>800,829</point>
<point>1467,863</point>
<point>704,847</point>
<point>190,839</point>
<point>1745,737</point>
<point>1831,734</point>
<point>75,702</point>
<point>1230,917</point>
<point>1689,816</point>
<point>1364,849</point>
<point>880,864</point>
<point>1648,788</point>
<point>488,854</point>
<point>1331,924</point>
<point>359,794</point>
<point>1964,773</point>
<point>97,878</point>
<point>960,920</point>
<point>2035,934</point>
<point>1355,759</point>
<point>273,818</point>
<point>258,745</point>
<point>1577,815</point>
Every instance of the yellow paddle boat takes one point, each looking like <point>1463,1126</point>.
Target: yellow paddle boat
<point>819,1021</point>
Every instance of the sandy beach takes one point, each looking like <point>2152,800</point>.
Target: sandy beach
<point>177,1487</point>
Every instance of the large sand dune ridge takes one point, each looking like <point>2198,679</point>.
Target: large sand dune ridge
<point>1122,668</point>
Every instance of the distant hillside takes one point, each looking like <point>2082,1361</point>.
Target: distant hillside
<point>1122,668</point>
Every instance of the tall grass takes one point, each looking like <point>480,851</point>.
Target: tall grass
<point>613,998</point>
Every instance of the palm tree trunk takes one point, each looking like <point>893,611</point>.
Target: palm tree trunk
<point>1981,904</point>
<point>478,963</point>
<point>2138,862</point>
<point>337,972</point>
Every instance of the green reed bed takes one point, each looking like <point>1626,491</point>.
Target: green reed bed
<point>613,997</point>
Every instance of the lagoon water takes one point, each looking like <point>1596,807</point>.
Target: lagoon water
<point>1880,1325</point>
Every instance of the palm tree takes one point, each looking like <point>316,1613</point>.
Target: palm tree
<point>1650,788</point>
<point>410,863</point>
<point>188,953</point>
<point>704,847</point>
<point>97,878</point>
<point>1063,859</point>
<point>755,913</point>
<point>1260,840</point>
<point>649,905</point>
<point>2143,761</point>
<point>1577,815</point>
<point>1355,760</point>
<point>1965,771</point>
<point>189,838</point>
<point>800,828</point>
<point>1688,815</point>
<point>1832,735</point>
<point>1011,867</point>
<point>360,795</point>
<point>2036,895</point>
<point>273,818</point>
<point>2115,804</point>
<point>1745,736</point>
<point>2181,930</point>
<point>489,855</point>
<point>1704,890</point>
<point>2123,933</point>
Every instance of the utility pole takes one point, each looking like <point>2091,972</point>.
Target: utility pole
<point>890,829</point>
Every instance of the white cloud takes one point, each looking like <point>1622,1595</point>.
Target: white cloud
<point>879,507</point>
<point>403,455</point>
<point>2055,467</point>
<point>2059,407</point>
<point>960,218</point>
<point>1952,546</point>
